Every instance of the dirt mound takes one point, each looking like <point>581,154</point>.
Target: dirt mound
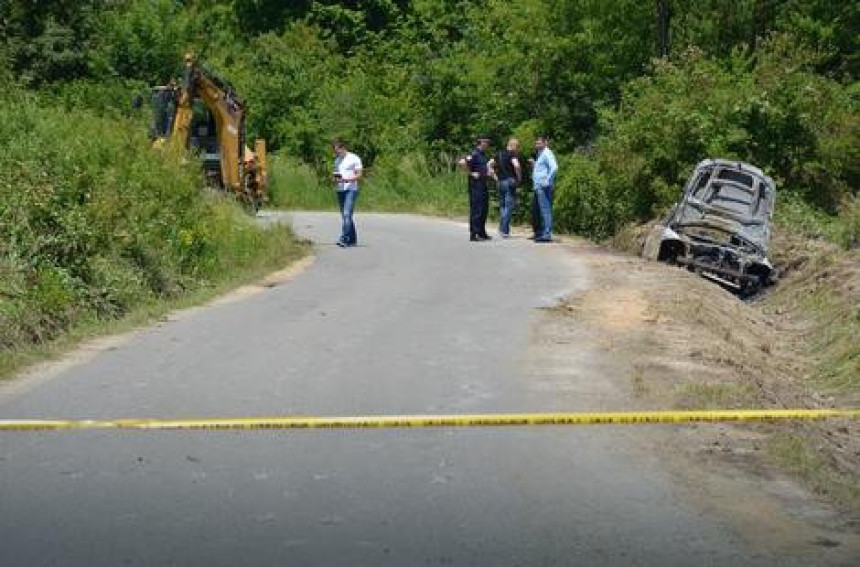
<point>691,344</point>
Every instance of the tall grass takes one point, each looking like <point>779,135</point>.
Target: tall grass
<point>405,184</point>
<point>296,185</point>
<point>93,223</point>
<point>796,215</point>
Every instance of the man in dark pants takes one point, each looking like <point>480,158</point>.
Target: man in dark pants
<point>537,228</point>
<point>476,165</point>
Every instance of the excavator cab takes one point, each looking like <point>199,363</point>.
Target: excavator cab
<point>163,110</point>
<point>203,113</point>
<point>204,140</point>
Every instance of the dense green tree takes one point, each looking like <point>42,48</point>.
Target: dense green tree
<point>771,110</point>
<point>770,81</point>
<point>48,40</point>
<point>831,27</point>
<point>142,39</point>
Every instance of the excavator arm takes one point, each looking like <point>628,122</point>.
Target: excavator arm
<point>239,169</point>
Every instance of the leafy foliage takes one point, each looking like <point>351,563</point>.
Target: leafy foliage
<point>773,82</point>
<point>93,223</point>
<point>48,41</point>
<point>142,39</point>
<point>772,110</point>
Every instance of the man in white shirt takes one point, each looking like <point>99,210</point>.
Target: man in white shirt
<point>347,172</point>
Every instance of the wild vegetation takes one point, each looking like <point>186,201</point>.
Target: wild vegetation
<point>632,94</point>
<point>93,223</point>
<point>409,83</point>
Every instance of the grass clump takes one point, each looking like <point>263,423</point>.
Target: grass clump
<point>716,396</point>
<point>94,224</point>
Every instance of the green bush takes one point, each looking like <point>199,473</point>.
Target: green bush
<point>93,222</point>
<point>584,203</point>
<point>771,110</point>
<point>140,39</point>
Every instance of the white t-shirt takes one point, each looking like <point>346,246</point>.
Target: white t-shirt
<point>348,166</point>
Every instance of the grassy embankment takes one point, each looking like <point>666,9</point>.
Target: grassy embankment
<point>406,186</point>
<point>820,296</point>
<point>795,346</point>
<point>99,233</point>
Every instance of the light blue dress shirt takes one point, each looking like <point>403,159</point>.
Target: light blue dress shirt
<point>545,170</point>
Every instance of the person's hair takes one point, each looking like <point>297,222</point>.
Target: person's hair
<point>542,138</point>
<point>513,144</point>
<point>339,143</point>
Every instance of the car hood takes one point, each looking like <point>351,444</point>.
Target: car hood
<point>732,198</point>
<point>694,214</point>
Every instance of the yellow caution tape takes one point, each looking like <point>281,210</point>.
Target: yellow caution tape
<point>475,420</point>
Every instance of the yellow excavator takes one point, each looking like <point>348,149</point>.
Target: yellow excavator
<point>204,113</point>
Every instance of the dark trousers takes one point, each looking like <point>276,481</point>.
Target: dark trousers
<point>479,207</point>
<point>537,227</point>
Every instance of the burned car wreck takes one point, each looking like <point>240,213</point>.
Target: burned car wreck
<point>721,227</point>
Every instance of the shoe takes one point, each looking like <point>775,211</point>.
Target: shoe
<point>504,235</point>
<point>474,238</point>
<point>485,237</point>
<point>342,244</point>
<point>544,239</point>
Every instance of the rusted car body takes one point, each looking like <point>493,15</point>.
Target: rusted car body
<point>721,226</point>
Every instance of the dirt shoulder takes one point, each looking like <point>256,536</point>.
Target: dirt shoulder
<point>688,344</point>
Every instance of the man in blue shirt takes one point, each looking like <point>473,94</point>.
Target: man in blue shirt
<point>477,165</point>
<point>543,181</point>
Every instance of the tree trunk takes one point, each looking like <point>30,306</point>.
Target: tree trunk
<point>663,21</point>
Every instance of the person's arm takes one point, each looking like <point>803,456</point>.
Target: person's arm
<point>357,170</point>
<point>466,163</point>
<point>491,169</point>
<point>552,168</point>
<point>538,171</point>
<point>518,170</point>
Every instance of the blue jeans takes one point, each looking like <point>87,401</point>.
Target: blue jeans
<point>346,200</point>
<point>544,199</point>
<point>507,203</point>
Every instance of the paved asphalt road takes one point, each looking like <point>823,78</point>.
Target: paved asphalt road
<point>416,319</point>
